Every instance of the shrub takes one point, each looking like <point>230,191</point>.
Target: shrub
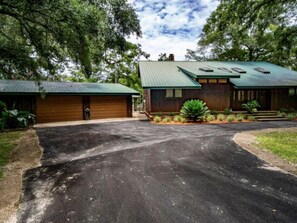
<point>227,111</point>
<point>251,118</point>
<point>194,109</point>
<point>14,118</point>
<point>210,118</point>
<point>251,106</point>
<point>283,114</point>
<point>166,119</point>
<point>221,117</point>
<point>183,120</point>
<point>214,112</point>
<point>230,118</point>
<point>157,119</point>
<point>177,118</point>
<point>291,116</point>
<point>239,117</point>
<point>170,114</point>
<point>160,114</point>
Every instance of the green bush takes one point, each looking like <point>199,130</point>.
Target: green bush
<point>14,118</point>
<point>291,116</point>
<point>157,119</point>
<point>160,114</point>
<point>251,106</point>
<point>230,118</point>
<point>183,120</point>
<point>166,119</point>
<point>170,114</point>
<point>214,112</point>
<point>210,118</point>
<point>251,118</point>
<point>221,117</point>
<point>194,109</point>
<point>177,118</point>
<point>239,117</point>
<point>227,111</point>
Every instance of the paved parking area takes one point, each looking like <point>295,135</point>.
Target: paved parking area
<point>140,172</point>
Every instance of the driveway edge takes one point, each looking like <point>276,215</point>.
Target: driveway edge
<point>247,140</point>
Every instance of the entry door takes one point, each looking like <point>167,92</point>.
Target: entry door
<point>265,99</point>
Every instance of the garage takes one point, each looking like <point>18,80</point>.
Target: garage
<point>59,108</point>
<point>109,107</point>
<point>67,101</point>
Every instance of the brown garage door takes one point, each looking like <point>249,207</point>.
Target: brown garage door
<point>108,107</point>
<point>59,108</point>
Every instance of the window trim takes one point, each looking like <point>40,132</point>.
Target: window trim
<point>173,93</point>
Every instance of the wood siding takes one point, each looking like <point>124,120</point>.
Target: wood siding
<point>58,108</point>
<point>216,96</point>
<point>280,99</point>
<point>109,107</point>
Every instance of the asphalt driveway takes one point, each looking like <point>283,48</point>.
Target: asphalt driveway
<point>139,172</point>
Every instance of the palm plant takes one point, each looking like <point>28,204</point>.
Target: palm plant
<point>194,110</point>
<point>251,106</point>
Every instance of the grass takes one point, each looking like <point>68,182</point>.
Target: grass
<point>7,142</point>
<point>283,144</point>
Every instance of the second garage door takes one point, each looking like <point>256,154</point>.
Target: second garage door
<point>108,107</point>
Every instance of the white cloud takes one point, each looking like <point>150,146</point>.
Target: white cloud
<point>171,26</point>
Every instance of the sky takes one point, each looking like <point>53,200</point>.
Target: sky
<point>171,26</point>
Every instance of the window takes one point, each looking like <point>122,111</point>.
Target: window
<point>212,81</point>
<point>169,93</point>
<point>262,70</point>
<point>223,81</point>
<point>240,95</point>
<point>202,81</point>
<point>174,93</point>
<point>238,70</point>
<point>291,91</point>
<point>206,69</point>
<point>178,93</point>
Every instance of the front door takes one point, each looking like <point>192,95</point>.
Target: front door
<point>264,99</point>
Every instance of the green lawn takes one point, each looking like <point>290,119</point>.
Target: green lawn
<point>283,144</point>
<point>7,143</point>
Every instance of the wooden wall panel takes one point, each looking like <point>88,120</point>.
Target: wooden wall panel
<point>109,107</point>
<point>216,96</point>
<point>58,108</point>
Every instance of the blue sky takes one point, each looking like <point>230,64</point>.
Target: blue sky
<point>171,26</point>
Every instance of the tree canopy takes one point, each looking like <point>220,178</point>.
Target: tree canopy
<point>39,38</point>
<point>249,30</point>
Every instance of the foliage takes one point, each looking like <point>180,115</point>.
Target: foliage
<point>214,112</point>
<point>170,114</point>
<point>251,118</point>
<point>40,38</point>
<point>194,109</point>
<point>7,142</point>
<point>157,119</point>
<point>14,118</point>
<point>163,57</point>
<point>240,117</point>
<point>230,118</point>
<point>250,30</point>
<point>221,117</point>
<point>227,111</point>
<point>291,116</point>
<point>251,106</point>
<point>177,118</point>
<point>183,120</point>
<point>160,113</point>
<point>210,118</point>
<point>166,119</point>
<point>281,143</point>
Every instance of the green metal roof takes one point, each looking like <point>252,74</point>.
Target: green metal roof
<point>177,74</point>
<point>65,88</point>
<point>164,75</point>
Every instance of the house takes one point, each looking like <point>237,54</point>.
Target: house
<point>68,101</point>
<point>168,84</point>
